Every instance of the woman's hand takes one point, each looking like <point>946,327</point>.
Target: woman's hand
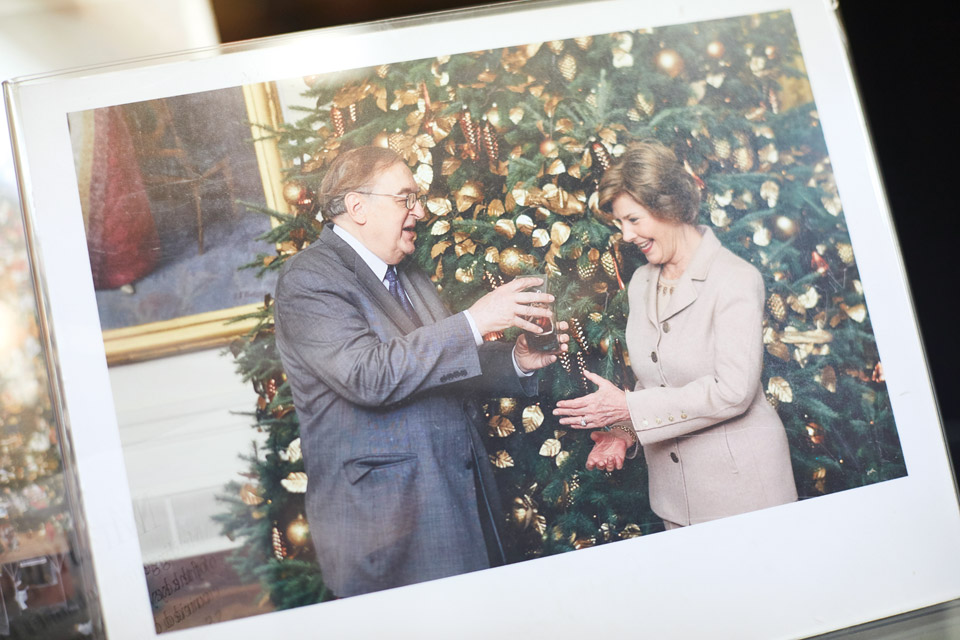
<point>530,359</point>
<point>605,406</point>
<point>609,451</point>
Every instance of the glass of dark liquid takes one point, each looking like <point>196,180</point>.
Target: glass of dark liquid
<point>547,340</point>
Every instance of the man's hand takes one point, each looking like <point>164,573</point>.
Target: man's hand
<point>609,451</point>
<point>605,406</point>
<point>529,359</point>
<point>510,306</point>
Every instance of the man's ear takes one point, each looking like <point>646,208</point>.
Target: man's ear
<point>355,208</point>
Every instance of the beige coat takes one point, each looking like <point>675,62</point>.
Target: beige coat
<point>714,446</point>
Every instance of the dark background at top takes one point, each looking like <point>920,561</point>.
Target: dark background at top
<point>903,61</point>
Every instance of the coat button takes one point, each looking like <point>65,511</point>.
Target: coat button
<point>653,356</point>
<point>673,456</point>
<point>666,327</point>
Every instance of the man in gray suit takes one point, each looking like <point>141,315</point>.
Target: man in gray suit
<point>399,488</point>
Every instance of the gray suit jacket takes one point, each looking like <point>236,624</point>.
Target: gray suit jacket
<point>714,446</point>
<point>388,429</point>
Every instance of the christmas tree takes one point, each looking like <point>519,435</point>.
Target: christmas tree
<point>510,145</point>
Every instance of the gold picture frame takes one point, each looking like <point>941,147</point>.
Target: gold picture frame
<point>213,328</point>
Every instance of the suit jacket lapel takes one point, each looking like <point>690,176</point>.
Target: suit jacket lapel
<point>422,294</point>
<point>368,282</point>
<point>689,285</point>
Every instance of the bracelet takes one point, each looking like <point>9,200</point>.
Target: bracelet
<point>627,429</point>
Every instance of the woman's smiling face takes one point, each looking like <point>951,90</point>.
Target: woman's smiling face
<point>657,239</point>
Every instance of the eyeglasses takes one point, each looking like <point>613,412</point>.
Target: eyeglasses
<point>409,201</point>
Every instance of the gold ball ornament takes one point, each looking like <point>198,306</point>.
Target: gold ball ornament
<point>549,148</point>
<point>605,345</point>
<point>298,531</point>
<point>670,62</point>
<point>382,139</point>
<point>511,261</point>
<point>293,192</point>
<point>716,49</point>
<point>784,227</point>
<point>507,405</point>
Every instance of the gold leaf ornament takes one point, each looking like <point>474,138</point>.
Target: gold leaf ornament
<point>780,389</point>
<point>791,335</point>
<point>249,495</point>
<point>294,453</point>
<point>424,177</point>
<point>532,418</point>
<point>501,426</point>
<point>295,482</point>
<point>506,228</point>
<point>440,227</point>
<point>541,238</point>
<point>439,248</point>
<point>550,448</point>
<point>501,459</point>
<point>809,298</point>
<point>469,194</point>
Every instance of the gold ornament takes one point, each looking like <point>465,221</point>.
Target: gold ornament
<point>440,227</point>
<point>770,191</point>
<point>549,148</point>
<point>532,418</point>
<point>845,251</point>
<point>492,255</point>
<point>815,433</point>
<point>249,496</point>
<point>719,217</point>
<point>298,531</point>
<point>511,261</point>
<point>464,276</point>
<point>743,159</point>
<point>541,238</point>
<point>784,227</point>
<point>586,270</point>
<point>780,389</point>
<point>857,313</point>
<point>382,71</point>
<point>716,49</point>
<point>779,350</point>
<point>722,149</point>
<point>568,67</point>
<point>294,453</point>
<point>279,550</point>
<point>828,379</point>
<point>832,204</point>
<point>559,233</point>
<point>501,427</point>
<point>501,459</point>
<point>791,335</point>
<point>670,62</point>
<point>776,306</point>
<point>295,482</point>
<point>468,195</point>
<point>507,405</point>
<point>794,303</point>
<point>550,448</point>
<point>820,478</point>
<point>877,375</point>
<point>631,531</point>
<point>525,224</point>
<point>809,298</point>
<point>506,228</point>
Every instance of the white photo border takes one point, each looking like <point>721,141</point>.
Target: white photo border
<point>795,570</point>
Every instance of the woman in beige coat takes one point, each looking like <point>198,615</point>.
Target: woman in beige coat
<point>714,446</point>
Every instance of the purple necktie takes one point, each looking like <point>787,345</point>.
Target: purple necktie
<point>396,290</point>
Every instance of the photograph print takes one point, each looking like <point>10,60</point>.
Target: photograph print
<point>671,190</point>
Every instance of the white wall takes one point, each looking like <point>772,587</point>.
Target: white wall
<point>182,433</point>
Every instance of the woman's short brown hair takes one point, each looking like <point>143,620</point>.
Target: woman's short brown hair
<point>649,172</point>
<point>351,171</point>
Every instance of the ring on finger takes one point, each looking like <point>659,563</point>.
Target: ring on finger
<point>583,421</point>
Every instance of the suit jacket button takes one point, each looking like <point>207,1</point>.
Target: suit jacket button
<point>673,456</point>
<point>666,327</point>
<point>653,356</point>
